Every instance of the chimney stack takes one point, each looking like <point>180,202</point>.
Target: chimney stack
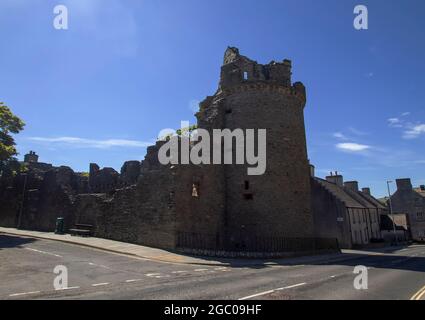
<point>352,185</point>
<point>312,171</point>
<point>335,179</point>
<point>366,191</point>
<point>404,184</point>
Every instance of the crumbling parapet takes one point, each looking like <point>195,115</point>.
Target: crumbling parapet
<point>237,69</point>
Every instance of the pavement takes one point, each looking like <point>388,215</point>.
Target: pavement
<point>158,255</point>
<point>28,264</point>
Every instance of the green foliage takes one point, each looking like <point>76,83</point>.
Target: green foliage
<point>186,131</point>
<point>180,132</point>
<point>9,124</point>
<point>10,168</point>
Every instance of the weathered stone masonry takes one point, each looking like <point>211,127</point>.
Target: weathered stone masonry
<point>211,207</point>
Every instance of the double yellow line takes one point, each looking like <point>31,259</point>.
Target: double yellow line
<point>419,295</point>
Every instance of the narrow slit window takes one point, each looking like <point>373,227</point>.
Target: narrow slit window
<point>247,186</point>
<point>195,190</point>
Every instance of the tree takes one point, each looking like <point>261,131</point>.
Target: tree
<point>9,124</point>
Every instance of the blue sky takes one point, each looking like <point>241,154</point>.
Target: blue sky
<point>124,70</point>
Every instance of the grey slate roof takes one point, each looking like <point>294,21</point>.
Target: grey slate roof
<point>340,193</point>
<point>351,198</point>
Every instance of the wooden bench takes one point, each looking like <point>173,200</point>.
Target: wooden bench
<point>82,230</point>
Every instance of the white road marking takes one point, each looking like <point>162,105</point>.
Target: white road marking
<point>333,277</point>
<point>257,295</point>
<point>69,288</point>
<point>200,270</point>
<point>23,293</point>
<point>44,252</point>
<point>272,291</point>
<point>99,265</point>
<point>291,287</point>
<point>177,272</point>
<point>152,275</point>
<point>133,280</point>
<point>100,284</point>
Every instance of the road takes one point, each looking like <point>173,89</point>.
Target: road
<point>26,272</point>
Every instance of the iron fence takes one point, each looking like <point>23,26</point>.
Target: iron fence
<point>186,240</point>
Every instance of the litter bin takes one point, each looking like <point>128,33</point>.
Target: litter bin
<point>60,226</point>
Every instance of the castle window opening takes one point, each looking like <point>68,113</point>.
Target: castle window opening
<point>195,190</point>
<point>245,75</point>
<point>247,185</point>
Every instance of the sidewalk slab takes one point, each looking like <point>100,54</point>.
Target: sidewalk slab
<point>164,256</point>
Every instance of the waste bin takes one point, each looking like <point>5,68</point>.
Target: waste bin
<point>60,226</point>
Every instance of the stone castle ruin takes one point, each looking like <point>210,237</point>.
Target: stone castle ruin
<point>208,209</point>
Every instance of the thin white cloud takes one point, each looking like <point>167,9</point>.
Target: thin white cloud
<point>395,123</point>
<point>340,135</point>
<point>415,131</point>
<point>357,132</point>
<point>410,130</point>
<point>353,147</point>
<point>91,143</point>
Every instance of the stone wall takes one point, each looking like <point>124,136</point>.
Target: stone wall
<point>202,206</point>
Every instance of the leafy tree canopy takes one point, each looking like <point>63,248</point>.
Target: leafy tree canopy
<point>9,124</point>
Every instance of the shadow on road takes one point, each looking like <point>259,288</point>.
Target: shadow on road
<point>391,259</point>
<point>7,241</point>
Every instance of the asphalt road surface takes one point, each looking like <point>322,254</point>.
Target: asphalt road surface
<point>27,272</point>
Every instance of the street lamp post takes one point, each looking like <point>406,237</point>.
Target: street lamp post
<point>391,212</point>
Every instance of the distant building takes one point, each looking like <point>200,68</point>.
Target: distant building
<point>31,161</point>
<point>395,227</point>
<point>340,210</point>
<point>31,157</point>
<point>411,201</point>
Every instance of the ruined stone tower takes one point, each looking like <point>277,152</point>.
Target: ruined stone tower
<point>276,204</point>
<point>216,209</point>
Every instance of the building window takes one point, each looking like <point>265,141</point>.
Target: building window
<point>245,75</point>
<point>420,216</point>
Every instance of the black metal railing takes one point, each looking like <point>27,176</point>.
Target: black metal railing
<point>187,240</point>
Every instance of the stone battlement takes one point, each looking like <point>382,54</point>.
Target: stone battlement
<point>238,69</point>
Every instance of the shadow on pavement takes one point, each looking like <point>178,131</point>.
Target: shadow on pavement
<point>7,241</point>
